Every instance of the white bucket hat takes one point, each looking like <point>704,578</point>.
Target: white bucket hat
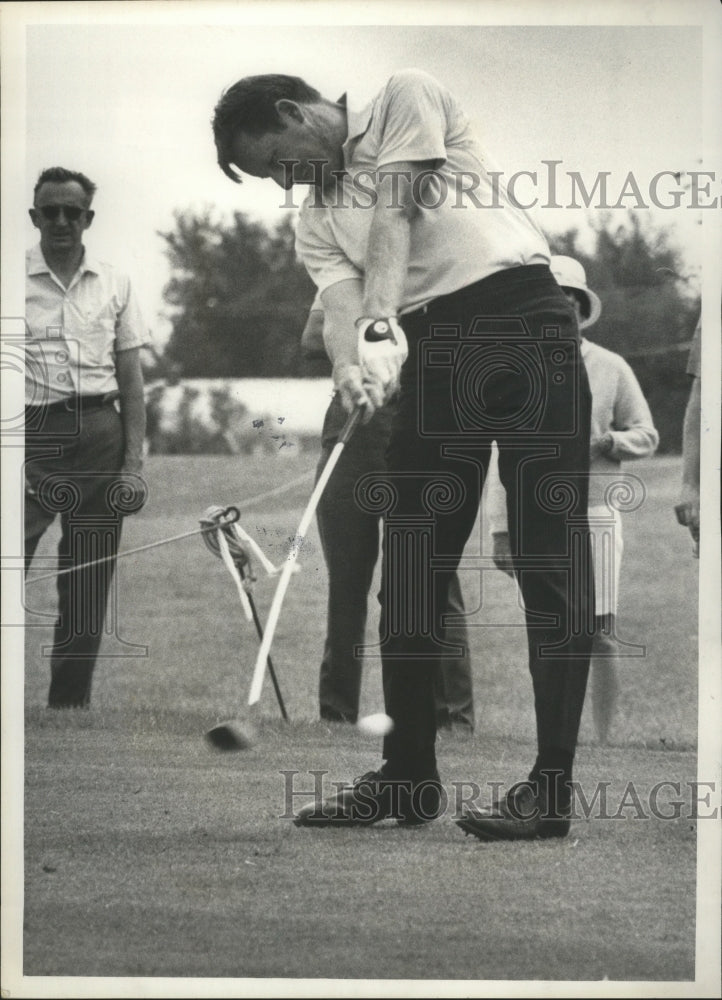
<point>570,274</point>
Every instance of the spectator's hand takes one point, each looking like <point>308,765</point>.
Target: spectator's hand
<point>502,553</point>
<point>382,350</point>
<point>132,489</point>
<point>356,390</point>
<point>601,445</point>
<point>687,511</point>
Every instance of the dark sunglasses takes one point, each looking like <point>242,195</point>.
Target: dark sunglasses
<point>51,212</point>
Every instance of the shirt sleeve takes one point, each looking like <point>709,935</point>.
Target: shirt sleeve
<point>324,260</point>
<point>633,431</point>
<point>414,117</point>
<point>130,328</point>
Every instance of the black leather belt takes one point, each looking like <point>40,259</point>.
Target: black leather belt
<point>73,404</point>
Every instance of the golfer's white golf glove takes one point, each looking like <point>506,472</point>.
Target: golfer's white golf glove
<point>382,350</point>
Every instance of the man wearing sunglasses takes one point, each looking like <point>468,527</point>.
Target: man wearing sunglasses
<point>84,419</point>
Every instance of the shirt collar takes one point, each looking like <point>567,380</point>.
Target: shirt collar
<point>36,262</point>
<point>89,263</point>
<point>38,265</point>
<point>358,122</point>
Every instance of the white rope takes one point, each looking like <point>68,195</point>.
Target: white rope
<point>243,505</point>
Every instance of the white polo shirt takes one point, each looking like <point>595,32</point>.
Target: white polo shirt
<point>468,230</point>
<point>74,333</point>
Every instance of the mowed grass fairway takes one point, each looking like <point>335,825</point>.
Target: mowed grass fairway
<point>149,854</point>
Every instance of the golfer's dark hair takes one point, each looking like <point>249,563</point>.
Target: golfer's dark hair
<point>250,106</point>
<point>59,175</point>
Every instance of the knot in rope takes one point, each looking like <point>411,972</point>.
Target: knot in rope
<point>224,519</point>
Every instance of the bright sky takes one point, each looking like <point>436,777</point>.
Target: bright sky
<point>125,93</point>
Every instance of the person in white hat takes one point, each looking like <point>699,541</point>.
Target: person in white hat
<point>622,428</point>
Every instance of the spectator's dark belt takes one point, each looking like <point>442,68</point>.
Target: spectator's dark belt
<point>74,404</point>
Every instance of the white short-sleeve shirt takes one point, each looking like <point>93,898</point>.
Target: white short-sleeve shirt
<point>467,228</point>
<point>74,333</point>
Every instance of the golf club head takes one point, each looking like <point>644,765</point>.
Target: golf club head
<point>230,737</point>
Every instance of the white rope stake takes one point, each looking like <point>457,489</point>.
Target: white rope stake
<point>223,520</point>
<point>232,569</point>
<point>226,540</point>
<point>270,569</point>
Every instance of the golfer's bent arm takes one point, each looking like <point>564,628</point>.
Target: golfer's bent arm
<point>387,256</point>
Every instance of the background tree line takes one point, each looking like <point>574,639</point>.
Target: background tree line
<point>238,300</point>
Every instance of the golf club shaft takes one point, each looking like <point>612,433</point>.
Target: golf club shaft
<point>272,672</point>
<point>284,580</point>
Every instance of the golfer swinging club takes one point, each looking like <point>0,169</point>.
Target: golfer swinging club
<point>450,303</point>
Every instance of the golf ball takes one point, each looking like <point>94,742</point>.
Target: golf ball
<point>378,724</point>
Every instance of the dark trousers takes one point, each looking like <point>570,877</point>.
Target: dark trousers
<point>71,465</point>
<point>496,361</point>
<point>350,540</point>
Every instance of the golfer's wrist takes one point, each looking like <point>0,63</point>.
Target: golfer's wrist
<point>342,368</point>
<point>377,317</point>
<point>379,301</point>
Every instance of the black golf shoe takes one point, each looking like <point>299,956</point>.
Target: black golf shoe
<point>373,797</point>
<point>525,813</point>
